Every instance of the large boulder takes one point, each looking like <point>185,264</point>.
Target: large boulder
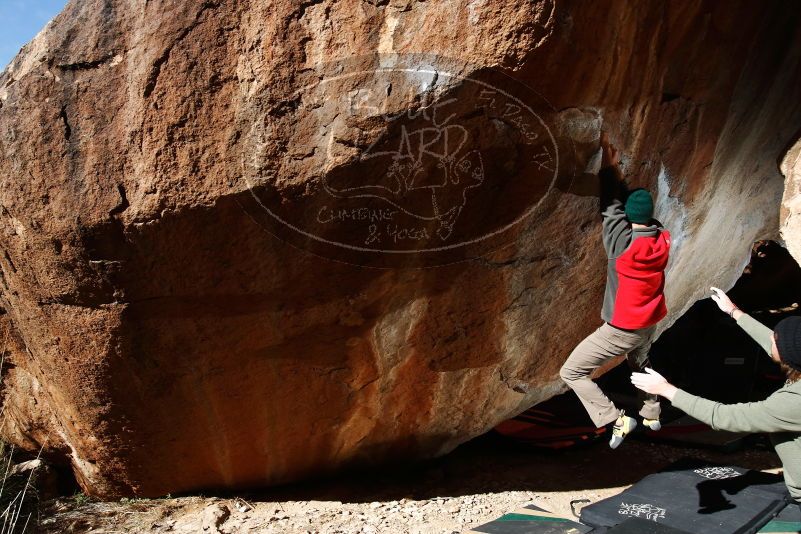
<point>248,242</point>
<point>791,201</point>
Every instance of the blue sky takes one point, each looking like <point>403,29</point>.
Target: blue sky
<point>20,21</point>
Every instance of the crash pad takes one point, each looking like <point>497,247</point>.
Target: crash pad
<point>532,519</point>
<point>787,522</point>
<point>637,525</point>
<point>696,496</point>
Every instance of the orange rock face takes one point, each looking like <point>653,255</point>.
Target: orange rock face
<point>245,243</point>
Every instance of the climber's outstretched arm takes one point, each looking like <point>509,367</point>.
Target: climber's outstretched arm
<point>613,193</point>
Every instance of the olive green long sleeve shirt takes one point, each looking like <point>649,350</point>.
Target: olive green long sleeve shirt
<point>779,415</point>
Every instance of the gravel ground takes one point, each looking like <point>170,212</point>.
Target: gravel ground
<point>478,482</point>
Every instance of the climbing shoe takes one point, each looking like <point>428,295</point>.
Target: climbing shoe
<point>623,427</point>
<point>653,424</point>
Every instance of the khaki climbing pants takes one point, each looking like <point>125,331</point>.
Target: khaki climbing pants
<point>598,348</point>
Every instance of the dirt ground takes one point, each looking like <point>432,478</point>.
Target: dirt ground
<point>478,482</point>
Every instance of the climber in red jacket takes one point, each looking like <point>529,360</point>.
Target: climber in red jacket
<point>637,248</point>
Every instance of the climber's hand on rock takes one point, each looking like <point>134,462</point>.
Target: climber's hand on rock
<point>722,300</point>
<point>652,382</point>
<point>610,156</point>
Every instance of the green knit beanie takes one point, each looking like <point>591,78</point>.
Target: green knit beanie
<point>640,206</point>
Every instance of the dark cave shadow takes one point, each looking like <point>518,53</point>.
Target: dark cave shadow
<point>493,464</point>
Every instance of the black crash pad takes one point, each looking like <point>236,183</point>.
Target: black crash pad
<point>696,497</point>
<point>556,424</point>
<point>636,525</point>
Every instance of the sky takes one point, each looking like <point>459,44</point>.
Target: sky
<point>20,21</point>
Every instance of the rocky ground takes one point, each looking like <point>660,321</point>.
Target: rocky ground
<point>476,483</point>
